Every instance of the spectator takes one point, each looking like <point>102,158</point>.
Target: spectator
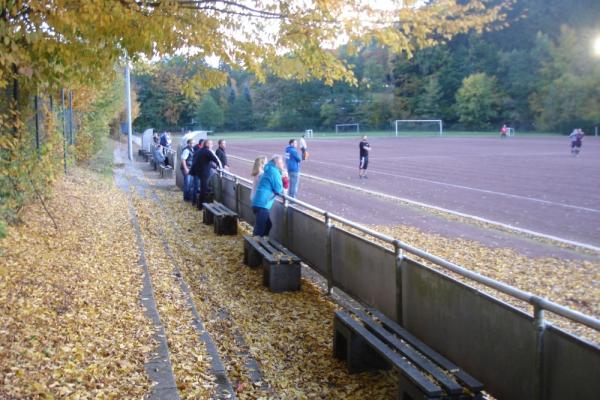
<point>257,171</point>
<point>203,166</point>
<point>364,149</point>
<point>155,138</point>
<point>293,166</point>
<point>196,178</point>
<point>503,131</point>
<point>285,181</point>
<point>268,188</point>
<point>187,155</point>
<point>163,139</point>
<point>303,147</point>
<point>222,154</point>
<point>159,157</point>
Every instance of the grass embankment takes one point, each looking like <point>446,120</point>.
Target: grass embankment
<point>71,320</point>
<point>71,324</point>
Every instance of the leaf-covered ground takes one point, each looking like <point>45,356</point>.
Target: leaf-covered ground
<point>71,324</point>
<point>290,335</point>
<point>191,363</point>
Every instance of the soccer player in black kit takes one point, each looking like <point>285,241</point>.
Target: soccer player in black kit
<point>364,148</point>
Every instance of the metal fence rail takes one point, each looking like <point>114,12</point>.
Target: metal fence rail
<point>536,301</point>
<point>517,355</point>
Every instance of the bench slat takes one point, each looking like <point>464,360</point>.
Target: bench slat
<point>412,373</point>
<point>470,382</point>
<point>276,247</point>
<point>259,245</point>
<point>414,356</point>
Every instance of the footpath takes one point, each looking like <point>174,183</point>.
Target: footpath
<point>119,291</point>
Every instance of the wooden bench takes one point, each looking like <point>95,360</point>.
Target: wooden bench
<point>366,344</point>
<point>166,171</point>
<point>281,268</point>
<point>222,218</point>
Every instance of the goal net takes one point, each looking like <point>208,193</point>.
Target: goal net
<point>347,128</point>
<point>429,127</point>
<point>308,133</point>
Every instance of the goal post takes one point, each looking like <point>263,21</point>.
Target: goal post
<point>439,125</point>
<point>343,127</point>
<point>308,133</point>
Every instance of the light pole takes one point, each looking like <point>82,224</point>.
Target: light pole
<point>128,105</point>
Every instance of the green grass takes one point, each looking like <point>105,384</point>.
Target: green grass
<point>332,135</point>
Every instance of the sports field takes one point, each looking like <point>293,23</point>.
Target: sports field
<point>353,134</point>
<point>529,183</point>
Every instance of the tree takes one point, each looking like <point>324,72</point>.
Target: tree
<point>429,102</point>
<point>568,96</point>
<point>49,45</point>
<point>478,101</point>
<point>210,114</point>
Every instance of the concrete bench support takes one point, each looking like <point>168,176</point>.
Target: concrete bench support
<point>222,218</point>
<point>281,268</point>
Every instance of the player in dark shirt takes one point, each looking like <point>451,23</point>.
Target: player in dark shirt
<point>364,148</point>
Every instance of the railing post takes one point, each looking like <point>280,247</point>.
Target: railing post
<point>329,253</point>
<point>236,184</point>
<point>285,236</point>
<point>540,327</point>
<point>399,261</point>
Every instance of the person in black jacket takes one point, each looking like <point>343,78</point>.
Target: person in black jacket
<point>202,165</point>
<point>196,182</point>
<point>222,154</point>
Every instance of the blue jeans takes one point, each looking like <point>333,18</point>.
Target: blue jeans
<point>294,181</point>
<point>195,189</point>
<point>263,225</point>
<point>188,185</point>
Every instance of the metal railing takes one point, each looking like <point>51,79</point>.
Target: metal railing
<point>539,303</point>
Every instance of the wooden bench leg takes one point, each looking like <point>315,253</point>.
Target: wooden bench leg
<point>208,218</point>
<point>354,350</point>
<point>281,277</point>
<point>226,225</point>
<point>252,257</point>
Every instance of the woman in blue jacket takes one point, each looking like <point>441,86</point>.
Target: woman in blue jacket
<point>269,187</point>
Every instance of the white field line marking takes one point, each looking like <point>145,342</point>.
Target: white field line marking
<point>486,191</point>
<point>457,213</point>
<point>455,186</point>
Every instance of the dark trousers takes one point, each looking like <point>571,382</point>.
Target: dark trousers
<point>188,186</point>
<point>203,188</point>
<point>263,225</point>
